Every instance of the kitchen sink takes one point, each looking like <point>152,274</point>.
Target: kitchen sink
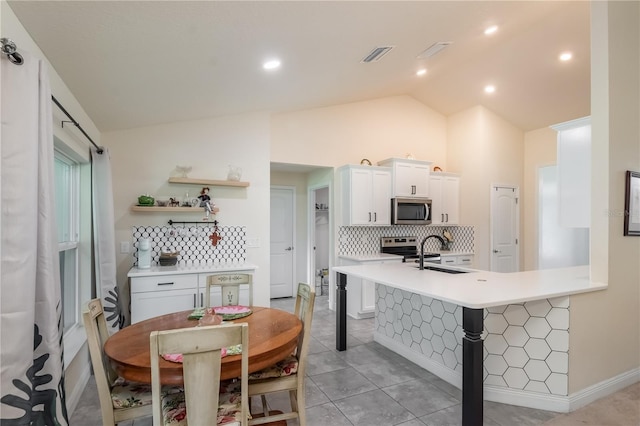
<point>446,271</point>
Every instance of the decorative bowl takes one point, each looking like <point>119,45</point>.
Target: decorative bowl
<point>146,200</point>
<point>162,203</point>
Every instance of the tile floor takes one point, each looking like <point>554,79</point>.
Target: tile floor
<point>369,385</point>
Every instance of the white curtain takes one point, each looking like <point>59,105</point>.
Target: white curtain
<point>104,240</point>
<point>32,377</point>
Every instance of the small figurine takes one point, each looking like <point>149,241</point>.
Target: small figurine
<point>205,201</point>
<point>173,202</point>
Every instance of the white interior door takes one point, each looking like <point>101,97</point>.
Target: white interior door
<point>282,237</point>
<point>505,256</point>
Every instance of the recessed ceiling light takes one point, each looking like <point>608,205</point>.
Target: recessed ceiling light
<point>565,56</point>
<point>271,65</point>
<point>421,72</point>
<point>490,88</point>
<point>492,29</point>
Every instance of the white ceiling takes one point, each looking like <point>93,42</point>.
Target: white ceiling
<point>140,63</point>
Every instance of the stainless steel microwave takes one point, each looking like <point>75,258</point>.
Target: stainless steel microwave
<point>410,211</point>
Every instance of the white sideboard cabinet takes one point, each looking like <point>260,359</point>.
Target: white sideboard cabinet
<point>366,195</point>
<point>164,290</point>
<point>445,196</point>
<point>410,178</point>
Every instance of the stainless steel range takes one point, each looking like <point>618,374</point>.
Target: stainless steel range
<point>407,247</point>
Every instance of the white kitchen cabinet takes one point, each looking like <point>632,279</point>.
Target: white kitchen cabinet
<point>410,178</point>
<point>366,195</point>
<point>456,259</point>
<point>152,296</point>
<point>445,198</point>
<point>361,294</point>
<point>155,292</point>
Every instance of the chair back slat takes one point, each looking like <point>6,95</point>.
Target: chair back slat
<point>229,285</point>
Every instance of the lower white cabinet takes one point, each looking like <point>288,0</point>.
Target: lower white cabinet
<point>361,294</point>
<point>457,260</point>
<point>159,295</point>
<point>154,293</point>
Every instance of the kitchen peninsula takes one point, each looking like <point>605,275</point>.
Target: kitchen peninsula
<point>438,320</point>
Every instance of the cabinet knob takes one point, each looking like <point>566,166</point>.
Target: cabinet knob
<point>289,248</point>
<point>497,251</point>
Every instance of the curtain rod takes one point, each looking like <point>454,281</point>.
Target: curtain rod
<point>9,48</point>
<point>75,123</point>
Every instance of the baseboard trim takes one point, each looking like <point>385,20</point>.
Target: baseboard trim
<point>605,388</point>
<point>557,403</point>
<point>73,398</point>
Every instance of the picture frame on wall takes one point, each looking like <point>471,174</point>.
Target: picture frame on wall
<point>632,204</point>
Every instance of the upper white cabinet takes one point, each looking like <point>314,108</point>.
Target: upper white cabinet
<point>366,195</point>
<point>445,198</point>
<point>574,172</point>
<point>410,178</point>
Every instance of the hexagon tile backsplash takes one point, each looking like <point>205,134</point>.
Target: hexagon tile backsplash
<point>526,346</point>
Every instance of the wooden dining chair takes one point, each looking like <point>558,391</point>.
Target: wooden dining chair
<point>205,400</point>
<point>229,285</point>
<point>287,375</point>
<point>119,400</point>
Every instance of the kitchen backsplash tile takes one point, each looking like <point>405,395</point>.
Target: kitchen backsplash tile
<point>366,239</point>
<point>193,243</point>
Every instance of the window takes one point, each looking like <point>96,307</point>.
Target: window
<point>67,214</point>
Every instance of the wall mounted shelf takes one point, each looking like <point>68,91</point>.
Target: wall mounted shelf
<point>211,182</point>
<point>199,210</point>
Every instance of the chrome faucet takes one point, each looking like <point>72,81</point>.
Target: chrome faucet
<point>443,246</point>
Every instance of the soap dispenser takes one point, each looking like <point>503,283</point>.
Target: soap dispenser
<point>144,253</point>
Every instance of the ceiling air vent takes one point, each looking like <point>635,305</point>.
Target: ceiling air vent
<point>376,54</point>
<point>433,49</point>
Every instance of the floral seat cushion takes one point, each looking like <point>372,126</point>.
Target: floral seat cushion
<point>126,394</point>
<point>174,411</point>
<point>286,367</point>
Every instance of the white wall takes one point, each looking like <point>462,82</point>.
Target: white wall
<point>143,159</point>
<point>345,134</point>
<point>605,326</point>
<point>485,149</point>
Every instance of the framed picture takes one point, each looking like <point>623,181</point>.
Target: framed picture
<point>632,204</point>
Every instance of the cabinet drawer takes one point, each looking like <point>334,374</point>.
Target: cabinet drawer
<point>448,260</point>
<point>164,283</point>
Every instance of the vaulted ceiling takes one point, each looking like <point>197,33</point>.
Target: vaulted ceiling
<point>140,63</point>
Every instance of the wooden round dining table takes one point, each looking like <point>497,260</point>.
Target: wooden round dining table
<point>273,335</point>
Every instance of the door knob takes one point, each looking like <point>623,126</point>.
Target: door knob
<point>497,251</point>
<point>289,248</point>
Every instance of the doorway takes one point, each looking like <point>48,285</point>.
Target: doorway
<point>283,225</point>
<point>505,226</point>
<point>319,231</point>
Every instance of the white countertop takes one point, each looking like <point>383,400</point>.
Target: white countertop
<point>478,289</point>
<point>191,269</point>
<point>371,257</point>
